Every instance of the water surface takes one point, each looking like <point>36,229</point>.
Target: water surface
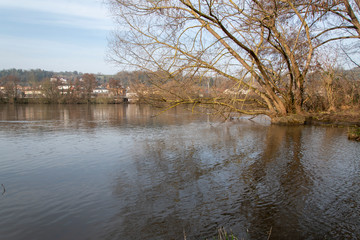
<point>113,172</point>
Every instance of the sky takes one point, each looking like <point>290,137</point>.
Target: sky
<point>55,35</point>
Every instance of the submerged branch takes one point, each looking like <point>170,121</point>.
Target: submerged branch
<point>4,190</point>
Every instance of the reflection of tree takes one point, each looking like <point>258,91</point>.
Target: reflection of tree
<point>174,184</point>
<point>80,116</point>
<point>189,180</point>
<point>277,185</point>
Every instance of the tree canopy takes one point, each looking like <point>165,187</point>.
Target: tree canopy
<point>265,47</point>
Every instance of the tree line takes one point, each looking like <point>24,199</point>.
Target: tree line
<point>29,77</point>
<point>63,87</point>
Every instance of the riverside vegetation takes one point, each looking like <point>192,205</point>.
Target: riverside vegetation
<point>284,59</point>
<point>334,102</point>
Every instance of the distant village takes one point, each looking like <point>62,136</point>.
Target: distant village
<point>65,90</point>
<point>65,87</point>
<point>81,88</point>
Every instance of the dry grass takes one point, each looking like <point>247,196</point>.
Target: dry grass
<point>354,133</point>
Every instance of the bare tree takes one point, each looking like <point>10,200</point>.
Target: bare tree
<point>89,84</point>
<point>265,47</point>
<point>50,89</point>
<point>116,87</point>
<point>11,86</point>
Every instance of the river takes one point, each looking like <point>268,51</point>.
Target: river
<point>115,172</point>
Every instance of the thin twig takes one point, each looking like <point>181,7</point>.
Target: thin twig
<point>269,233</point>
<point>172,106</point>
<point>252,117</point>
<point>347,55</point>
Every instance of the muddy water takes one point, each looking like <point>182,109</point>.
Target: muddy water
<point>113,172</point>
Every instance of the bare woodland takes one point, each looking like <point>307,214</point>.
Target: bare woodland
<point>262,51</point>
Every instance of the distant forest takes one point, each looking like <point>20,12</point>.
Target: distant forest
<point>33,76</point>
<point>126,78</point>
<point>36,75</point>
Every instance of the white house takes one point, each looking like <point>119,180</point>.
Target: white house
<point>100,91</point>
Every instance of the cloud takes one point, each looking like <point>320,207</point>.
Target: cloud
<point>90,14</point>
<point>72,22</point>
<point>85,9</point>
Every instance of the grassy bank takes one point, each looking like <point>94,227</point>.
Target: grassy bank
<point>354,133</point>
<point>341,118</point>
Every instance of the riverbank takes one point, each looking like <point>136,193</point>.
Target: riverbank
<point>349,118</point>
<point>339,119</point>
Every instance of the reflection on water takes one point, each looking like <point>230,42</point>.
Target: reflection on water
<point>113,172</point>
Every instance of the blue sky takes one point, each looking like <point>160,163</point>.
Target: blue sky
<point>56,35</point>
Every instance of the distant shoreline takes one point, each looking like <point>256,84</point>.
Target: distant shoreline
<point>98,100</point>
